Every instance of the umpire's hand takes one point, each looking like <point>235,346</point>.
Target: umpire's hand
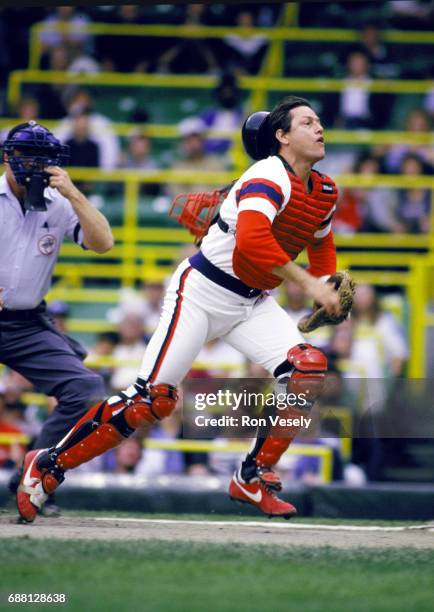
<point>61,181</point>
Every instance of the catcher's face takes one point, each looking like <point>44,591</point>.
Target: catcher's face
<point>306,136</point>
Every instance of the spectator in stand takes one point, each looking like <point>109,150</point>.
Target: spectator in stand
<point>348,217</point>
<point>226,114</point>
<point>418,121</point>
<point>244,54</point>
<point>377,53</point>
<point>367,453</point>
<point>158,461</point>
<point>189,55</point>
<point>370,209</point>
<point>11,454</point>
<point>378,340</point>
<point>129,351</point>
<point>411,14</point>
<point>59,313</point>
<point>414,205</point>
<point>193,157</point>
<point>428,103</point>
<point>51,96</point>
<point>217,359</point>
<point>27,417</point>
<point>100,127</point>
<point>141,49</point>
<point>83,150</point>
<point>355,99</point>
<point>82,62</point>
<point>128,455</point>
<point>28,109</point>
<point>73,37</point>
<point>145,303</point>
<point>296,305</point>
<point>70,58</point>
<point>138,154</point>
<point>378,355</point>
<point>104,347</point>
<point>153,294</point>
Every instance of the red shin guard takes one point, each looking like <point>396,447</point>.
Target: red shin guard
<point>106,425</point>
<point>306,381</point>
<point>102,439</point>
<point>277,442</point>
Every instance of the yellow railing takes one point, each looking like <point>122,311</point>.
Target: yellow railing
<point>264,85</point>
<point>323,453</point>
<point>134,178</point>
<point>281,34</point>
<point>332,136</point>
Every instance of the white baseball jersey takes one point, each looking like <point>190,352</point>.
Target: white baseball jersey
<point>265,187</point>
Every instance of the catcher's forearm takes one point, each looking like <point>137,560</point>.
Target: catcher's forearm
<point>292,272</point>
<point>320,292</point>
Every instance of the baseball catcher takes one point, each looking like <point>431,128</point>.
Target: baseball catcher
<point>250,236</point>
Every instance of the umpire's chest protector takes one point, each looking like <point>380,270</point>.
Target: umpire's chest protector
<point>306,214</point>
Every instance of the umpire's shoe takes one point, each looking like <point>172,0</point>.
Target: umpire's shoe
<point>259,493</point>
<point>35,486</point>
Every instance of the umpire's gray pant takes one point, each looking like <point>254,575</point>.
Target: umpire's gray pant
<point>52,362</point>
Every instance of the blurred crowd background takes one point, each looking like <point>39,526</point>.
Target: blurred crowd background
<point>197,131</point>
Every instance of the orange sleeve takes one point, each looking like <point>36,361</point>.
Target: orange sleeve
<point>322,256</point>
<point>256,247</point>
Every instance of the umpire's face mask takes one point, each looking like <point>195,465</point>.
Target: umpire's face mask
<point>30,149</point>
<point>29,171</point>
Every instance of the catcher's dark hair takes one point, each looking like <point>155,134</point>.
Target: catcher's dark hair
<point>280,118</point>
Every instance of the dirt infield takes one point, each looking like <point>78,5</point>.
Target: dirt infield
<point>282,533</point>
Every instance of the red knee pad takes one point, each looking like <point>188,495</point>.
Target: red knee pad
<point>164,398</point>
<point>307,358</point>
<point>310,366</point>
<point>139,414</point>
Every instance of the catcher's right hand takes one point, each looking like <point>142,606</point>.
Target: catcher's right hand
<point>345,286</point>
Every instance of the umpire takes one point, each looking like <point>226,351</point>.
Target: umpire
<point>39,207</point>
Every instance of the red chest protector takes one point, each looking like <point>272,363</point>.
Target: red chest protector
<point>295,226</point>
<point>305,212</point>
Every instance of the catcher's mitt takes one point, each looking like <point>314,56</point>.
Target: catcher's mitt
<point>345,286</point>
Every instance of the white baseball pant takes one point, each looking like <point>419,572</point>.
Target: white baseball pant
<point>197,310</point>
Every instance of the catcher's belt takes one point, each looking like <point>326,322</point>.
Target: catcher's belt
<point>204,266</point>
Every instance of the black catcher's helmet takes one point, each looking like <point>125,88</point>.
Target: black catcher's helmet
<point>31,148</point>
<point>256,135</point>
